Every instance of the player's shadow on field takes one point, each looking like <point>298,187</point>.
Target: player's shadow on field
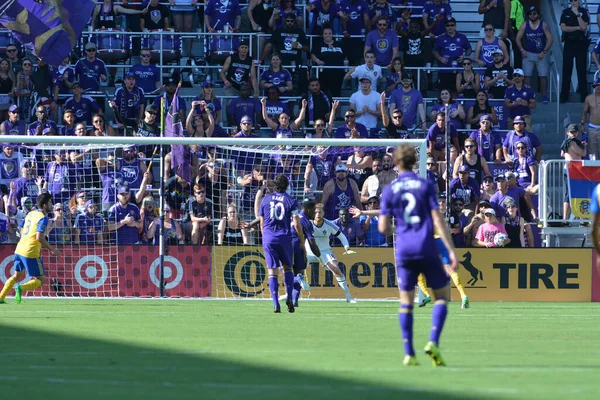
<point>39,364</point>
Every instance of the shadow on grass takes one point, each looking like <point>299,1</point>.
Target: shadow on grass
<point>39,364</point>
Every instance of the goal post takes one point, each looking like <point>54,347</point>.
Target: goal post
<point>236,268</point>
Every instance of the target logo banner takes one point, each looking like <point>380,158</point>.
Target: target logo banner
<point>187,271</point>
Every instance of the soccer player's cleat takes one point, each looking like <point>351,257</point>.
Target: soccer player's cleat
<point>410,361</point>
<point>303,283</point>
<point>351,300</point>
<point>290,306</point>
<point>277,309</point>
<point>283,297</point>
<point>425,301</point>
<point>434,352</point>
<point>18,291</point>
<point>2,302</point>
<point>465,302</point>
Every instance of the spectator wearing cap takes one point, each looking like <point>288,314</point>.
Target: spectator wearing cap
<point>147,76</point>
<point>516,228</point>
<point>329,52</point>
<point>525,203</point>
<point>489,229</point>
<point>515,193</point>
<point>351,128</point>
<point>487,46</point>
<point>170,85</point>
<point>237,69</point>
<point>520,134</point>
<point>477,164</point>
<point>200,212</point>
<point>219,16</point>
<point>457,221</point>
<point>498,77</point>
<point>434,15</point>
<point>146,127</point>
<point>243,105</point>
<point>592,107</point>
<point>157,17</point>
<point>59,227</point>
<point>275,106</point>
<point>574,22</point>
<point>487,141</point>
<point>324,13</point>
<point>209,97</point>
<point>366,102</point>
<point>60,177</point>
<point>63,76</point>
<point>83,107</point>
<point>384,41</point>
<point>534,40</point>
<point>350,227</point>
<point>410,101</point>
<point>124,218</point>
<point>488,188</point>
<point>369,70</point>
<point>497,14</point>
<point>465,188</point>
<point>519,99</point>
<point>90,70</point>
<point>436,137</point>
<point>571,149</point>
<point>13,125</point>
<point>283,128</point>
<point>449,50</point>
<point>10,163</point>
<point>88,226</point>
<point>525,168</point>
<point>340,192</point>
<point>276,76</point>
<point>130,99</point>
<point>319,103</point>
<point>373,238</point>
<point>394,126</point>
<point>27,184</point>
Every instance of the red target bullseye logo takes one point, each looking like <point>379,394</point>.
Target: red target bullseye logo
<point>91,279</point>
<point>155,274</point>
<point>6,269</point>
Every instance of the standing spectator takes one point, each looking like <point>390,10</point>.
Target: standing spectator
<point>84,158</point>
<point>478,167</point>
<point>514,193</point>
<point>487,141</point>
<point>319,169</point>
<point>323,12</point>
<point>105,14</point>
<point>130,99</point>
<point>436,137</point>
<point>450,49</point>
<point>259,13</point>
<point>330,53</point>
<point>394,80</point>
<point>381,8</point>
<point>434,177</point>
<point>100,127</point>
<point>384,42</point>
<point>274,106</point>
<point>417,48</point>
<point>60,177</point>
<point>277,76</point>
<point>468,81</point>
<point>537,42</point>
<point>13,125</point>
<point>63,76</point>
<point>592,107</point>
<point>350,227</point>
<point>283,128</point>
<point>182,12</point>
<point>90,70</point>
<point>574,22</point>
<point>83,107</point>
<point>89,226</point>
<point>25,88</point>
<point>354,15</point>
<point>147,76</point>
<point>340,192</point>
<point>571,149</point>
<point>465,188</point>
<point>283,11</point>
<point>480,108</point>
<point>59,227</point>
<point>351,129</point>
<point>519,134</point>
<point>10,165</point>
<point>239,68</point>
<point>230,231</point>
<point>394,127</point>
<point>488,231</point>
<point>177,193</point>
<point>170,86</point>
<point>373,238</point>
<point>28,184</point>
<point>124,218</point>
<point>368,69</point>
<point>525,168</point>
<point>219,15</point>
<point>201,124</point>
<point>456,112</point>
<point>488,189</point>
<point>318,102</point>
<point>498,77</point>
<point>243,105</point>
<point>146,127</point>
<point>370,186</point>
<point>131,169</point>
<point>410,101</point>
<point>359,166</point>
<point>366,103</point>
<point>434,14</point>
<point>487,46</point>
<point>7,87</point>
<point>13,56</point>
<point>201,214</point>
<point>497,14</point>
<point>157,17</point>
<point>519,99</point>
<point>516,227</point>
<point>43,84</point>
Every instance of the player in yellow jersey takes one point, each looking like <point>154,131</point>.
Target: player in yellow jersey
<point>27,253</point>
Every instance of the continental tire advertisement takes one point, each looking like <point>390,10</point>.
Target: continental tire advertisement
<point>487,274</point>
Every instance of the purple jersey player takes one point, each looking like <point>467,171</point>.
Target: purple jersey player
<point>276,213</point>
<point>411,201</point>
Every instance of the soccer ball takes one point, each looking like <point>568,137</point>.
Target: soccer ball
<point>499,239</point>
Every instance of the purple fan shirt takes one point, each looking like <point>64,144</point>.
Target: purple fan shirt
<point>382,45</point>
<point>146,76</point>
<point>88,73</point>
<point>274,109</point>
<point>89,227</point>
<point>498,199</point>
<point>355,12</point>
<point>451,47</point>
<point>125,234</point>
<point>529,138</point>
<point>307,228</point>
<point>129,102</point>
<point>408,102</point>
<point>486,144</point>
<point>438,137</point>
<point>320,16</point>
<point>222,12</point>
<point>433,10</point>
<point>240,107</point>
<point>343,132</point>
<point>468,193</point>
<point>513,94</point>
<point>83,109</point>
<point>277,210</point>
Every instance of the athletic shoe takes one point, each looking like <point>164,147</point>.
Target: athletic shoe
<point>2,302</point>
<point>290,306</point>
<point>277,309</point>
<point>410,361</point>
<point>545,100</point>
<point>434,352</point>
<point>465,302</point>
<point>351,301</point>
<point>283,297</point>
<point>18,291</point>
<point>303,283</point>
<point>425,301</point>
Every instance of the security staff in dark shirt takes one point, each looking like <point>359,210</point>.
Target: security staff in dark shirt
<point>573,23</point>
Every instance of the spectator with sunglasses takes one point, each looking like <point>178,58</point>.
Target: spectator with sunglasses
<point>487,46</point>
<point>13,125</point>
<point>243,105</point>
<point>147,76</point>
<point>90,70</point>
<point>434,14</point>
<point>519,99</point>
<point>477,165</point>
<point>410,101</point>
<point>525,168</point>
<point>458,220</point>
<point>449,50</point>
<point>200,212</point>
<point>394,127</point>
<point>487,141</point>
<point>468,80</point>
<point>384,42</point>
<point>373,238</point>
<point>351,128</point>
<point>465,188</point>
<point>433,176</point>
<point>88,226</point>
<point>59,227</point>
<point>520,134</point>
<point>13,56</point>
<point>83,107</point>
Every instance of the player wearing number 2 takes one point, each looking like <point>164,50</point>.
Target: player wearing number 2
<point>412,202</point>
<point>278,212</point>
<point>27,253</point>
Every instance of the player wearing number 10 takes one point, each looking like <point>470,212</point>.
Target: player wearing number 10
<point>278,211</point>
<point>27,253</point>
<point>412,202</point>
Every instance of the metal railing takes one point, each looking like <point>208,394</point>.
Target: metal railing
<point>554,82</point>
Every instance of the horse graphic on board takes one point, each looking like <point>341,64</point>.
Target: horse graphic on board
<point>475,272</point>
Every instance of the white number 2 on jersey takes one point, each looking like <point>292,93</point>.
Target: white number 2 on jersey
<point>412,202</point>
<point>278,211</point>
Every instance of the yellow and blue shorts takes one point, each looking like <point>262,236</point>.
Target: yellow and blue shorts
<point>34,266</point>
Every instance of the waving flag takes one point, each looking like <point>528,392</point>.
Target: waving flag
<point>180,157</point>
<point>582,182</point>
<point>48,28</point>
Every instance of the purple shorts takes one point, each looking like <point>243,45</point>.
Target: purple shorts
<point>407,272</point>
<point>278,254</point>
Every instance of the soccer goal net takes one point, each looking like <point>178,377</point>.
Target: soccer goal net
<point>210,248</point>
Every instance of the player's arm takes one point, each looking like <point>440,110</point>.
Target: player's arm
<point>41,237</point>
<point>297,225</point>
<point>262,223</point>
<point>442,230</point>
<point>344,240</point>
<point>315,249</point>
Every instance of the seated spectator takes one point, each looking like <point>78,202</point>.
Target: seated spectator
<point>498,77</point>
<point>340,192</point>
<point>100,127</point>
<point>480,108</point>
<point>354,16</point>
<point>436,137</point>
<point>456,112</point>
<point>157,17</point>
<point>243,105</point>
<point>283,129</point>
<point>370,186</point>
<point>130,99</point>
<point>318,102</point>
<point>83,107</point>
<point>239,68</point>
<point>89,226</point>
<point>59,227</point>
<point>170,85</point>
<point>147,76</point>
<point>519,134</point>
<point>208,95</point>
<point>124,218</point>
<point>374,184</point>
<point>90,70</point>
<point>395,128</point>
<point>519,99</point>
<point>410,102</point>
<point>373,238</point>
<point>516,228</point>
<point>468,81</point>
<point>369,70</point>
<point>10,165</point>
<point>465,188</point>
<point>200,211</point>
<point>435,14</point>
<point>329,52</point>
<point>324,12</point>
<point>450,49</point>
<point>394,80</point>
<point>350,227</point>
<point>13,125</point>
<point>105,14</point>
<point>477,164</point>
<point>351,129</point>
<point>177,193</point>
<point>487,141</point>
<point>171,231</point>
<point>359,166</point>
<point>230,231</point>
<point>488,189</point>
<point>287,10</point>
<point>320,128</point>
<point>274,106</point>
<point>27,185</point>
<point>366,103</point>
<point>68,129</point>
<point>276,76</point>
<point>488,230</point>
<point>60,177</point>
<point>487,46</point>
<point>42,123</point>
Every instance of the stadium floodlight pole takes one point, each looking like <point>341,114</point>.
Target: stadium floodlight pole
<point>161,237</point>
<point>447,150</point>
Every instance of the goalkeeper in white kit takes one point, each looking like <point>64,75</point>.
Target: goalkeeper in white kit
<point>323,229</point>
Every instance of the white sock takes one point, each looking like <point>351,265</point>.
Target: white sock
<point>344,286</point>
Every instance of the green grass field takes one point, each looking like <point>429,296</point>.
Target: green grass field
<point>129,349</point>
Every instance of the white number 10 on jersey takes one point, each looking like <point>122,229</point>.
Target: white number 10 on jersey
<point>277,210</point>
